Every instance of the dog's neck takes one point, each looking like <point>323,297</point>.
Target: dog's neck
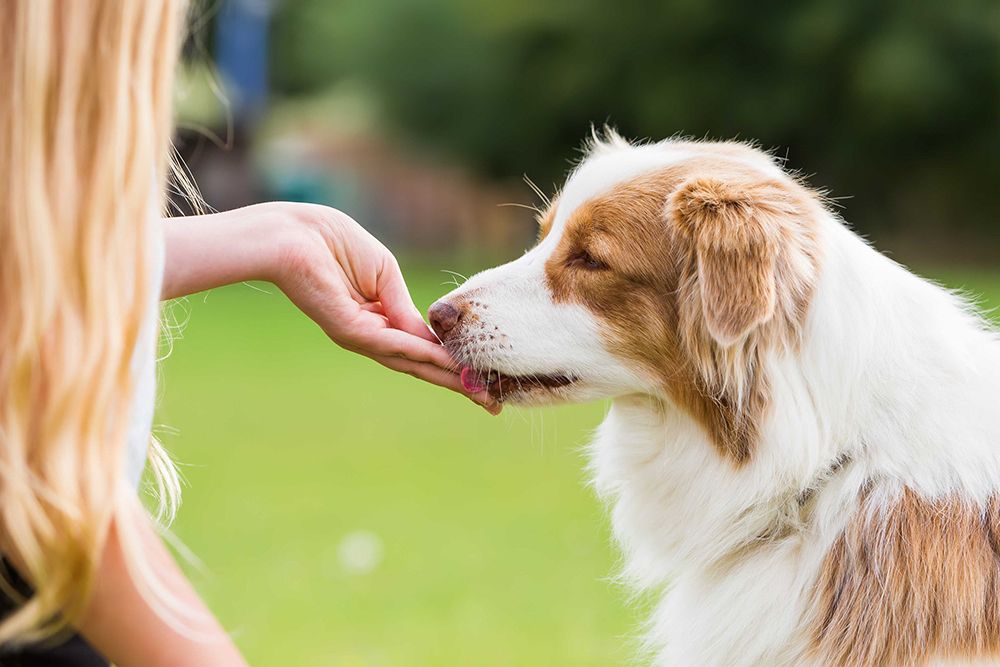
<point>679,506</point>
<point>900,375</point>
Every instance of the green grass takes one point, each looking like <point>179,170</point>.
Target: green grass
<point>493,549</point>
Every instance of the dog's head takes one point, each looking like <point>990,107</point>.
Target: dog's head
<point>665,269</point>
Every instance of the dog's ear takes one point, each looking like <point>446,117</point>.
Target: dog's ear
<point>732,231</point>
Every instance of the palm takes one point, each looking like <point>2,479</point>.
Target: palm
<point>351,286</point>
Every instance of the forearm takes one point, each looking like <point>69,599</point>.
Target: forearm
<point>326,264</point>
<point>209,251</point>
<point>122,625</point>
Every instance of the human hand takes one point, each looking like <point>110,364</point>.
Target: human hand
<point>346,281</point>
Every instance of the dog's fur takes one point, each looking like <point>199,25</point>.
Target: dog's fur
<point>803,444</point>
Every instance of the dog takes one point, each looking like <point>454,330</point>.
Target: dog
<point>803,447</point>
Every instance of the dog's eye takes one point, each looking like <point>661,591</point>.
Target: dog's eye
<point>584,260</point>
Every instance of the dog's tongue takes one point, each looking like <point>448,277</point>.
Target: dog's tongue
<point>472,381</point>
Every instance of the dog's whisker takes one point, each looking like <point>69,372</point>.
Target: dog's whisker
<point>538,191</point>
<point>455,274</point>
<point>529,207</point>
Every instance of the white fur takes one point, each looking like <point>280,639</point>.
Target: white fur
<point>894,371</point>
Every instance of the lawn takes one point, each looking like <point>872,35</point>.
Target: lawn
<point>349,516</point>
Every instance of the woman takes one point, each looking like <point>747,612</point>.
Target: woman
<point>85,123</point>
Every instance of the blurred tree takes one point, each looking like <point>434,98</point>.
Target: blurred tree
<point>893,102</point>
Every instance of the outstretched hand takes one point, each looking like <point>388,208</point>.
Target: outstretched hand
<point>350,284</point>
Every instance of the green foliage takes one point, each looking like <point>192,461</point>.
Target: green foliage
<point>893,102</point>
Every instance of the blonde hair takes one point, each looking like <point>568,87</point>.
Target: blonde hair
<point>85,124</point>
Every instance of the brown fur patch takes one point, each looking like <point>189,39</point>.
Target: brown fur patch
<point>707,246</point>
<point>910,581</point>
<point>733,235</point>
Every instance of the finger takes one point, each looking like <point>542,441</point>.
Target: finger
<point>398,304</point>
<point>396,343</point>
<point>491,405</point>
<point>440,377</point>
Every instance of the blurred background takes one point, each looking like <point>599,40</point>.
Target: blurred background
<point>345,516</point>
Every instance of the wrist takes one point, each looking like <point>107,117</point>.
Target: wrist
<point>271,235</point>
<point>269,241</point>
<point>291,234</point>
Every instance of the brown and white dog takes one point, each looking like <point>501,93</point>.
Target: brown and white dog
<point>804,441</point>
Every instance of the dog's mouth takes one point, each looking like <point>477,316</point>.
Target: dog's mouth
<point>501,385</point>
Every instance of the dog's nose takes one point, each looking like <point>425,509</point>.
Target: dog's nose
<point>444,317</point>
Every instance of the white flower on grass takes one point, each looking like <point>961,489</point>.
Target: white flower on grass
<point>360,552</point>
